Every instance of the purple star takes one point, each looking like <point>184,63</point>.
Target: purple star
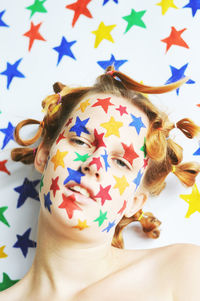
<point>9,134</point>
<point>112,61</point>
<point>106,1</point>
<point>64,49</point>
<point>105,158</point>
<point>137,123</point>
<point>138,179</point>
<point>79,126</point>
<point>12,71</point>
<point>47,201</point>
<point>74,175</point>
<point>2,23</point>
<point>26,190</point>
<point>110,225</point>
<point>23,242</point>
<point>194,5</point>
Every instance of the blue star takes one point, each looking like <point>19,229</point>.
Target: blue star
<point>178,74</point>
<point>106,1</point>
<point>137,123</point>
<point>47,201</point>
<point>79,126</point>
<point>2,23</point>
<point>12,71</point>
<point>197,153</point>
<point>64,49</point>
<point>138,179</point>
<point>27,189</point>
<point>74,175</point>
<point>112,61</point>
<point>9,134</point>
<point>110,225</point>
<point>105,157</point>
<point>23,242</point>
<point>194,5</point>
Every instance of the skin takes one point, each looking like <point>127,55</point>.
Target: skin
<point>74,258</point>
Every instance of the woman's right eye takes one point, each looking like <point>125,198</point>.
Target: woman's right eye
<point>78,141</point>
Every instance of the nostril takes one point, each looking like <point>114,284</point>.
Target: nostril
<point>86,168</point>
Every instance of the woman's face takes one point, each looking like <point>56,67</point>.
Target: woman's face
<point>95,166</point>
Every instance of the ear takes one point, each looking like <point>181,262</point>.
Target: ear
<point>41,157</point>
<point>138,202</point>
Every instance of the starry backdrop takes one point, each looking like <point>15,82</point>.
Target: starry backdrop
<point>73,41</point>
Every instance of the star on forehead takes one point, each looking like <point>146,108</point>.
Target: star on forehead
<point>98,139</point>
<point>60,137</point>
<point>97,162</point>
<point>69,121</point>
<point>84,105</point>
<point>81,225</point>
<point>54,185</point>
<point>74,175</point>
<point>123,208</point>
<point>121,184</point>
<point>103,194</point>
<point>79,126</point>
<point>101,218</point>
<point>69,204</point>
<point>129,153</point>
<point>137,123</point>
<point>58,159</point>
<point>193,201</point>
<point>122,110</point>
<point>104,103</point>
<point>112,127</point>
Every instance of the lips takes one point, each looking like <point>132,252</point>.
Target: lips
<point>77,193</point>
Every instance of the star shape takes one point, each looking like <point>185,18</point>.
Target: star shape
<point>7,282</point>
<point>121,184</point>
<point>135,18</point>
<point>122,110</point>
<point>9,134</point>
<point>83,105</point>
<point>74,175</point>
<point>2,254</point>
<point>194,5</point>
<point>143,148</point>
<point>111,62</point>
<point>96,161</point>
<point>58,159</point>
<point>178,74</point>
<point>64,49</point>
<point>33,34</point>
<point>69,204</point>
<point>129,153</point>
<point>81,158</point>
<point>104,103</point>
<point>122,208</point>
<point>3,166</point>
<point>101,218</point>
<point>2,217</point>
<point>103,194</point>
<point>26,190</point>
<point>106,1</point>
<point>175,38</point>
<point>69,121</point>
<point>81,225</point>
<point>110,225</point>
<point>37,7</point>
<point>137,180</point>
<point>166,4</point>
<point>98,140</point>
<point>79,126</point>
<point>193,200</point>
<point>80,8</point>
<point>60,137</point>
<point>145,163</point>
<point>47,201</point>
<point>197,152</point>
<point>2,23</point>
<point>112,127</point>
<point>12,72</point>
<point>23,242</point>
<point>41,182</point>
<point>103,33</point>
<point>137,123</point>
<point>54,185</point>
<point>105,158</point>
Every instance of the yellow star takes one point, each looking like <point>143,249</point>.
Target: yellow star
<point>121,184</point>
<point>166,4</point>
<point>2,254</point>
<point>103,32</point>
<point>58,159</point>
<point>81,225</point>
<point>84,105</point>
<point>193,200</point>
<point>112,127</point>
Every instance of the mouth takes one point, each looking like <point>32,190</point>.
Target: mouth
<point>81,191</point>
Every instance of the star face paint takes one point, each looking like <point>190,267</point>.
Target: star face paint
<point>100,151</point>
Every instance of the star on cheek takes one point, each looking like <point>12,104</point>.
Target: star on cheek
<point>97,162</point>
<point>79,126</point>
<point>121,184</point>
<point>58,159</point>
<point>122,110</point>
<point>54,185</point>
<point>112,127</point>
<point>137,123</point>
<point>103,194</point>
<point>104,103</point>
<point>98,140</point>
<point>60,137</point>
<point>123,208</point>
<point>47,201</point>
<point>69,121</point>
<point>69,205</point>
<point>81,158</point>
<point>137,180</point>
<point>110,225</point>
<point>129,153</point>
<point>74,175</point>
<point>105,157</point>
<point>101,218</point>
<point>81,225</point>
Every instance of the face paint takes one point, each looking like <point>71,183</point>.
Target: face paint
<point>101,148</point>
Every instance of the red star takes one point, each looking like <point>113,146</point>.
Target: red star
<point>98,141</point>
<point>198,105</point>
<point>69,121</point>
<point>54,185</point>
<point>33,34</point>
<point>104,103</point>
<point>97,162</point>
<point>122,110</point>
<point>175,38</point>
<point>129,153</point>
<point>103,194</point>
<point>145,162</point>
<point>3,166</point>
<point>80,8</point>
<point>60,137</point>
<point>69,204</point>
<point>123,207</point>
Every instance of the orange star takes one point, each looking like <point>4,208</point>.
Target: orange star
<point>81,225</point>
<point>175,38</point>
<point>33,34</point>
<point>80,8</point>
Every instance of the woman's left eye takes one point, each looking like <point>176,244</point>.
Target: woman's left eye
<point>78,141</point>
<point>121,163</point>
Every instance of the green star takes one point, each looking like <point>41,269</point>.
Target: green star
<point>37,6</point>
<point>2,218</point>
<point>41,183</point>
<point>134,19</point>
<point>143,148</point>
<point>81,158</point>
<point>7,282</point>
<point>101,218</point>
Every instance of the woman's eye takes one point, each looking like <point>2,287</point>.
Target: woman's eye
<point>121,163</point>
<point>77,141</point>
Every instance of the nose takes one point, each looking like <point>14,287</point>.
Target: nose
<point>92,167</point>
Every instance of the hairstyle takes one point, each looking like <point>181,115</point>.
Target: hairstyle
<point>164,154</point>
